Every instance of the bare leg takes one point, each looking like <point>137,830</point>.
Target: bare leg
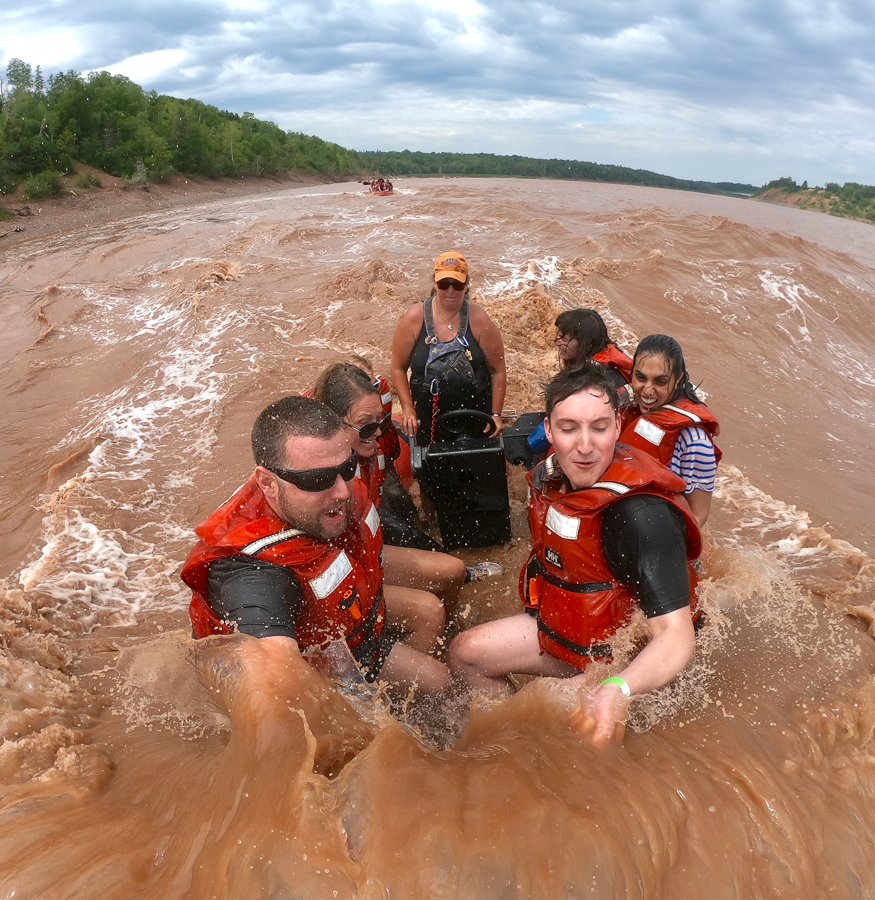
<point>406,669</point>
<point>485,655</point>
<point>419,613</point>
<point>438,572</point>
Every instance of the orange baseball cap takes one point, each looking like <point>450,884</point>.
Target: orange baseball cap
<point>451,265</point>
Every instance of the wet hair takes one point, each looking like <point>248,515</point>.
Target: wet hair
<point>290,417</point>
<point>586,327</point>
<point>341,384</point>
<point>588,375</point>
<point>668,348</point>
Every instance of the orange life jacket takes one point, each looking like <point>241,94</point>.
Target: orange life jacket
<point>614,357</point>
<point>567,583</point>
<point>342,581</point>
<point>657,432</point>
<point>372,472</point>
<point>385,394</point>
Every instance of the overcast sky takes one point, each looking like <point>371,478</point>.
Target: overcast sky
<point>720,90</point>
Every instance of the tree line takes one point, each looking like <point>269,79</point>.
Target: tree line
<point>407,162</point>
<point>109,122</point>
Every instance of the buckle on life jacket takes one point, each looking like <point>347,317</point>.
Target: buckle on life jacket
<point>351,602</point>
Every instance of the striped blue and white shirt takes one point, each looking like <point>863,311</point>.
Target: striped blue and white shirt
<point>693,459</point>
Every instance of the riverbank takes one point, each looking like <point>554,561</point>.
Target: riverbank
<point>115,199</point>
<point>818,200</point>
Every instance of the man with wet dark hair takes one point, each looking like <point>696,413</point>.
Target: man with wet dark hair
<point>611,533</point>
<point>286,418</point>
<point>294,557</point>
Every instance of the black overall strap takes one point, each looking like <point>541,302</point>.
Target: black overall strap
<point>463,317</point>
<point>428,319</point>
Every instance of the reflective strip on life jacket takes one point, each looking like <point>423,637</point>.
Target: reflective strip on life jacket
<point>372,520</point>
<point>615,487</point>
<point>684,412</point>
<point>254,548</point>
<point>567,527</point>
<point>331,578</point>
<point>649,431</point>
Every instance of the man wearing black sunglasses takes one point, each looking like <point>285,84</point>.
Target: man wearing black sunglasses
<point>294,557</point>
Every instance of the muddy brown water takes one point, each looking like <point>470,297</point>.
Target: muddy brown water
<point>135,358</point>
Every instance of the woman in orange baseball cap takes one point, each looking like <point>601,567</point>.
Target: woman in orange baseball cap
<point>453,351</point>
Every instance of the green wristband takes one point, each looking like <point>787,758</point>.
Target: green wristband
<point>627,692</point>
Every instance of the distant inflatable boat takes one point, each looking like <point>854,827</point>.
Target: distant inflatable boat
<point>381,192</point>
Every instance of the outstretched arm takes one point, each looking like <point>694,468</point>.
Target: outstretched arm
<point>601,716</point>
<point>645,542</point>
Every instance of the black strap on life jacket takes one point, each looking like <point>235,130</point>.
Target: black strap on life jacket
<point>576,587</point>
<point>368,625</point>
<point>579,649</point>
<point>535,569</point>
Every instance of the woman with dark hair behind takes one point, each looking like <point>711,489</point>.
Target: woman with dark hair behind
<point>669,421</point>
<point>345,388</point>
<point>582,334</point>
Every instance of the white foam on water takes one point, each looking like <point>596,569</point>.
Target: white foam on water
<point>757,518</point>
<point>545,271</point>
<point>727,294</point>
<point>118,573</point>
<point>785,290</point>
<point>86,561</point>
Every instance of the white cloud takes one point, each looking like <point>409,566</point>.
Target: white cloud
<point>146,66</point>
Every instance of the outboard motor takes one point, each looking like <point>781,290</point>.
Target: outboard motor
<point>464,474</point>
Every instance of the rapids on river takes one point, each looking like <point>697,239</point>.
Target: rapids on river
<point>135,357</point>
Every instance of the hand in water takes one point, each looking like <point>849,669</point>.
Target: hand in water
<point>600,718</point>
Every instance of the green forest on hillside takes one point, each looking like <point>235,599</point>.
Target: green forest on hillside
<point>850,200</point>
<point>108,122</point>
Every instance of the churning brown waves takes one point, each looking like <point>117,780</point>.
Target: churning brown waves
<point>135,357</point>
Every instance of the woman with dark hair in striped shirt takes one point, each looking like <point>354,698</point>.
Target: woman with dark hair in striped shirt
<point>669,421</point>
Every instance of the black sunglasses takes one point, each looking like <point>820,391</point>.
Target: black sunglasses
<point>313,480</point>
<point>446,283</point>
<point>366,432</point>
